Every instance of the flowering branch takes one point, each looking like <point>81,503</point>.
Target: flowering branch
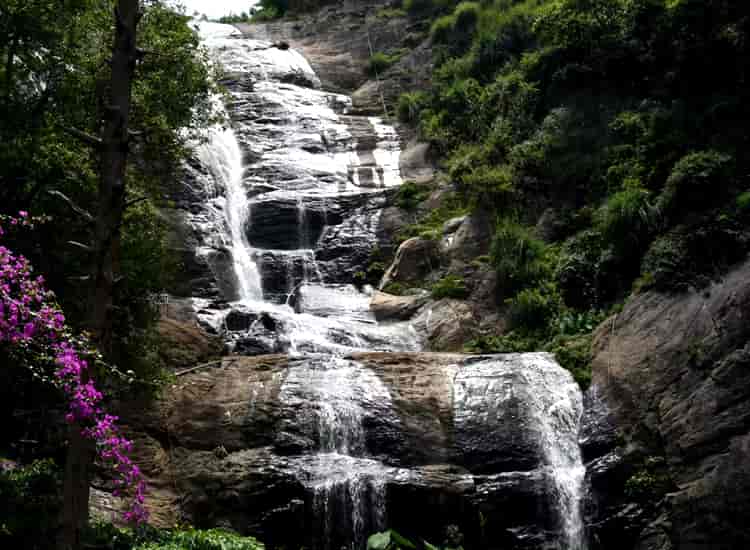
<point>28,313</point>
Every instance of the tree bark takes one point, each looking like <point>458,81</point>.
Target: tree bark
<point>110,207</point>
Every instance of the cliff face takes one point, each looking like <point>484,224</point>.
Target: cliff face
<point>674,371</point>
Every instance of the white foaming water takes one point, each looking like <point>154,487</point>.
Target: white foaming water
<point>223,157</point>
<point>532,386</point>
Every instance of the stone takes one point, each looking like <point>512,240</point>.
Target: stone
<point>238,444</point>
<point>472,238</point>
<point>389,307</point>
<point>446,324</point>
<point>415,258</point>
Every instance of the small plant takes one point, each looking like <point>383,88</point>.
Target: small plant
<point>380,61</point>
<point>521,260</point>
<point>533,309</point>
<point>410,194</point>
<point>409,106</point>
<point>451,286</point>
<point>397,289</point>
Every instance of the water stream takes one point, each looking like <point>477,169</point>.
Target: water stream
<point>294,197</point>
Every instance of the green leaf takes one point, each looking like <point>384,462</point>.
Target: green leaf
<point>379,541</point>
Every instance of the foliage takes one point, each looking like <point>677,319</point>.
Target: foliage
<point>410,194</point>
<point>409,106</point>
<point>650,482</point>
<point>698,181</point>
<point>30,318</point>
<point>450,286</point>
<point>108,537</point>
<point>380,61</point>
<point>30,499</point>
<point>521,260</point>
<point>534,308</point>
<point>388,540</point>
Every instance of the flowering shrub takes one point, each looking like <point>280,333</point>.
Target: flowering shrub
<point>29,315</point>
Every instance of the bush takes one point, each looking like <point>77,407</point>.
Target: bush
<point>410,194</point>
<point>106,536</point>
<point>410,105</point>
<point>30,504</point>
<point>451,286</point>
<point>380,61</point>
<point>533,309</point>
<point>590,273</point>
<point>574,355</point>
<point>698,181</point>
<point>694,255</point>
<point>627,220</point>
<point>520,259</point>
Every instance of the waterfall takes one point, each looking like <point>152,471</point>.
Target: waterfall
<point>223,157</point>
<point>293,198</point>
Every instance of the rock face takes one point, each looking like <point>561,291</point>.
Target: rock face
<point>419,441</point>
<point>415,258</point>
<point>674,373</point>
<point>387,306</point>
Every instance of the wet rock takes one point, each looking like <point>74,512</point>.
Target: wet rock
<point>415,258</point>
<point>387,306</point>
<point>424,446</point>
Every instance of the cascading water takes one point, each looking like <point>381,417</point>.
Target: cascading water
<point>294,198</point>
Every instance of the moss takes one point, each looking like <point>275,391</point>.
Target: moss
<point>390,13</point>
<point>451,286</point>
<point>397,289</point>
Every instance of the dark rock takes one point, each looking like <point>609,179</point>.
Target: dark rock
<point>674,373</point>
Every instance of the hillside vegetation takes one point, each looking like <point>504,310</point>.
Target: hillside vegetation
<point>606,137</point>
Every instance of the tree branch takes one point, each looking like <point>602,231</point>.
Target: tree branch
<point>73,206</point>
<point>86,138</point>
<point>81,246</point>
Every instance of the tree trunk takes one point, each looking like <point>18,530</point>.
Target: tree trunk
<point>110,207</point>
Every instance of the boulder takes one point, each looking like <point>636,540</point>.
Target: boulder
<point>472,238</point>
<point>389,307</point>
<point>415,258</point>
<point>446,324</point>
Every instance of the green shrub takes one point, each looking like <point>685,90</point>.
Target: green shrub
<point>533,309</point>
<point>520,259</point>
<point>410,194</point>
<point>380,61</point>
<point>627,219</point>
<point>30,504</point>
<point>397,289</point>
<point>105,536</point>
<point>694,255</point>
<point>410,105</point>
<point>451,286</point>
<point>698,181</point>
<point>574,355</point>
<point>650,482</point>
<point>589,273</point>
